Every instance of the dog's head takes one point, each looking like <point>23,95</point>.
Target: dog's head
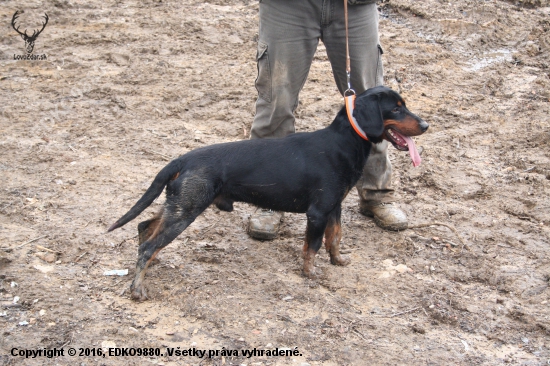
<point>383,115</point>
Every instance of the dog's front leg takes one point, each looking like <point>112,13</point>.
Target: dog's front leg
<point>333,235</point>
<point>316,224</point>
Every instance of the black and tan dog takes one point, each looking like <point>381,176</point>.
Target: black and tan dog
<point>305,172</point>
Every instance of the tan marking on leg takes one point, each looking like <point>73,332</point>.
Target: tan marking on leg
<point>152,258</point>
<point>152,229</point>
<point>309,263</point>
<point>306,245</point>
<point>305,248</point>
<point>333,236</point>
<point>329,237</point>
<point>138,290</point>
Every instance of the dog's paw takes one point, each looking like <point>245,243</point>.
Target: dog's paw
<point>138,293</point>
<point>340,260</point>
<point>310,273</point>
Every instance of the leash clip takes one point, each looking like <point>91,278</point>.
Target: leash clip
<point>350,90</point>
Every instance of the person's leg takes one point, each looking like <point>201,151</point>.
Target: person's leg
<point>288,37</point>
<point>374,187</point>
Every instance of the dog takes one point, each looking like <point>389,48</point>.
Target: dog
<point>307,173</point>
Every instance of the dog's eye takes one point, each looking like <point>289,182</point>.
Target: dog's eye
<point>395,110</point>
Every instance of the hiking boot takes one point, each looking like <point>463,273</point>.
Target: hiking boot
<point>386,215</point>
<point>264,224</point>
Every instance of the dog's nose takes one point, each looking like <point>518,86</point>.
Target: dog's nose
<point>424,126</point>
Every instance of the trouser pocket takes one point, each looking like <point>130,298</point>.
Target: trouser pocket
<point>263,81</point>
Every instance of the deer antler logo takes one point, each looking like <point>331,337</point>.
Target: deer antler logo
<point>29,40</point>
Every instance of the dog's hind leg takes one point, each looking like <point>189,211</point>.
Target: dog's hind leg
<point>166,232</point>
<point>147,229</point>
<point>333,235</point>
<point>316,224</point>
<point>183,204</point>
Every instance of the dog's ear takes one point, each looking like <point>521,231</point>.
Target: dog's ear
<point>368,114</point>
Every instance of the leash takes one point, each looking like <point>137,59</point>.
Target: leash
<point>349,94</point>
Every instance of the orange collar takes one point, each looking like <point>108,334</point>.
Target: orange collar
<point>350,105</point>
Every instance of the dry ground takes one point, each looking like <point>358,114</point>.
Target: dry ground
<point>130,84</point>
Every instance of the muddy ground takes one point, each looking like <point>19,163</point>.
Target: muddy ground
<point>128,85</point>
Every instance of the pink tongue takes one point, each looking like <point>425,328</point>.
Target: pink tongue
<point>415,156</point>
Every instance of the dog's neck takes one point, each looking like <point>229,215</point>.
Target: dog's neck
<point>357,146</point>
<point>342,124</point>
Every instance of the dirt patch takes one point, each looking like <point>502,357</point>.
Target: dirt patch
<point>129,85</point>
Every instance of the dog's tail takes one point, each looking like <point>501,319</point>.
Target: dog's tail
<point>169,172</point>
